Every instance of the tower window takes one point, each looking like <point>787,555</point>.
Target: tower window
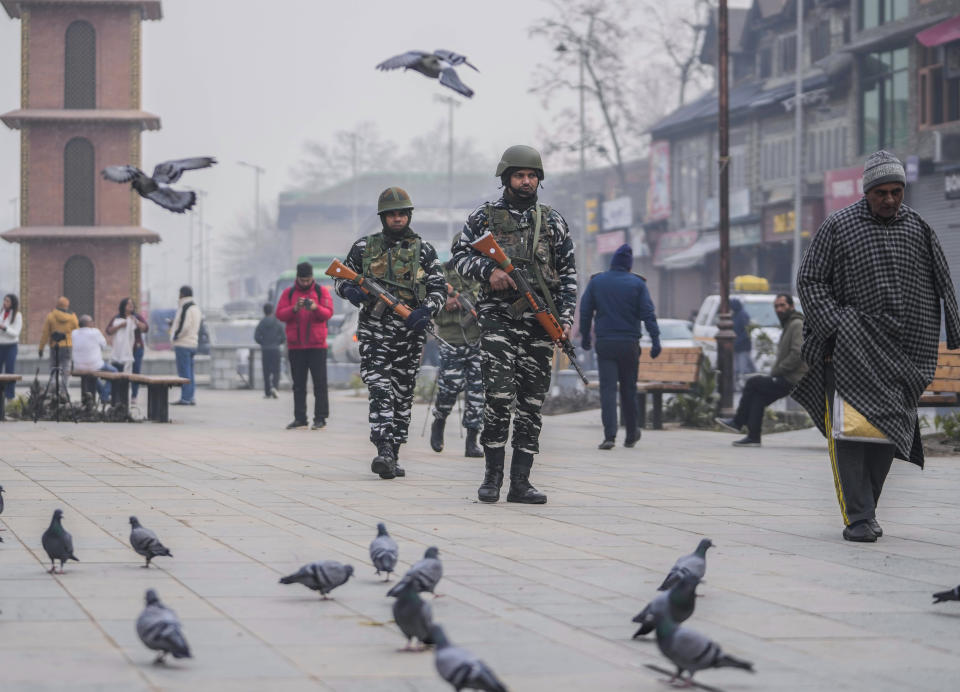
<point>78,183</point>
<point>78,284</point>
<point>80,69</point>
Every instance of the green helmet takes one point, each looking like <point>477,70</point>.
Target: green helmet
<point>520,156</point>
<point>393,199</point>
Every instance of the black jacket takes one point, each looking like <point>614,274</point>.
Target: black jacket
<point>270,333</point>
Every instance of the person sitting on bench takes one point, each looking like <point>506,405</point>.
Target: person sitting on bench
<point>88,345</point>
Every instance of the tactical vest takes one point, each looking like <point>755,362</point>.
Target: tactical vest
<point>455,326</point>
<point>516,239</point>
<point>396,267</point>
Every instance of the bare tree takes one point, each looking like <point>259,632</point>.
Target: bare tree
<point>254,252</point>
<point>347,154</point>
<point>680,32</point>
<point>428,153</point>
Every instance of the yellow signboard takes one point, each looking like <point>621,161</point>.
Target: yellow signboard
<point>593,222</point>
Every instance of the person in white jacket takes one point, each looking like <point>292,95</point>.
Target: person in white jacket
<point>184,335</point>
<point>11,322</point>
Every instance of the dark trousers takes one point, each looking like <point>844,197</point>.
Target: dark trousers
<point>270,357</point>
<point>8,363</point>
<point>617,363</point>
<point>859,468</point>
<point>314,360</point>
<point>758,393</point>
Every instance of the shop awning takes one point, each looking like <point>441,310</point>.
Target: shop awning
<point>944,32</point>
<point>693,255</point>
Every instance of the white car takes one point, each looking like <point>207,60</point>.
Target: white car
<point>673,334</point>
<point>344,347</point>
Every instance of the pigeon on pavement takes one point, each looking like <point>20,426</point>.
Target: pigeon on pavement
<point>425,573</point>
<point>323,576</point>
<point>145,542</point>
<point>691,651</point>
<point>1,499</point>
<point>694,563</point>
<point>384,551</point>
<point>155,187</point>
<point>679,601</point>
<point>58,542</point>
<point>460,668</point>
<point>413,615</point>
<point>951,595</point>
<point>159,629</point>
<point>439,64</point>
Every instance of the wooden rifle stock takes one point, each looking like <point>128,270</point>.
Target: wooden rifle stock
<point>338,270</point>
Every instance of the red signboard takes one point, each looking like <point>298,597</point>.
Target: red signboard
<point>841,188</point>
<point>672,243</point>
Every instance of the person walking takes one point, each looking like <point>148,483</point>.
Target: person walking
<point>874,284</point>
<point>88,343</point>
<point>460,363</point>
<point>517,353</point>
<point>306,307</point>
<point>617,301</point>
<point>184,335</point>
<point>59,320</point>
<point>390,347</point>
<point>762,390</point>
<point>271,335</point>
<point>742,361</point>
<point>11,323</point>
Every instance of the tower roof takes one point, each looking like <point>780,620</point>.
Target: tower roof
<point>21,233</point>
<point>15,119</point>
<point>149,9</point>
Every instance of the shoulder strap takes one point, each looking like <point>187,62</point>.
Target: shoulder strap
<point>536,266</point>
<point>183,314</point>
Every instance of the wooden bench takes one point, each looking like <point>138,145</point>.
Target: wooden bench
<point>119,385</point>
<point>158,394</point>
<point>675,371</point>
<point>945,388</point>
<point>4,380</point>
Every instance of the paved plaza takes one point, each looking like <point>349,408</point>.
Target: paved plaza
<point>544,594</point>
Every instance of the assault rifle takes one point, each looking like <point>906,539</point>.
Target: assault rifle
<point>488,247</point>
<point>338,270</point>
<point>464,302</point>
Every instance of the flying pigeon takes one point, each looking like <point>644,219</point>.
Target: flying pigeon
<point>155,188</point>
<point>384,551</point>
<point>58,542</point>
<point>691,651</point>
<point>951,595</point>
<point>159,629</point>
<point>439,64</point>
<point>425,573</point>
<point>145,542</point>
<point>323,576</point>
<point>679,601</point>
<point>1,499</point>
<point>460,668</point>
<point>413,616</point>
<point>695,564</point>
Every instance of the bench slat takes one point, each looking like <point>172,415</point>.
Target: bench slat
<point>172,380</point>
<point>10,378</point>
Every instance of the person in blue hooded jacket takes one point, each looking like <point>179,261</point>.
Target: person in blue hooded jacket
<point>617,301</point>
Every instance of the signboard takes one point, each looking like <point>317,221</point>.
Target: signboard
<point>739,207</point>
<point>658,195</point>
<point>608,243</point>
<point>592,204</point>
<point>672,243</point>
<point>778,221</point>
<point>749,234</point>
<point>616,213</point>
<point>912,168</point>
<point>951,184</point>
<point>841,188</point>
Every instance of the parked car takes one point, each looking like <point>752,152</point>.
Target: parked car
<point>344,347</point>
<point>673,334</point>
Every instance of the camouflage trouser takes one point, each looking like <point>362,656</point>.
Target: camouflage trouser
<point>389,361</point>
<point>460,369</point>
<point>516,366</point>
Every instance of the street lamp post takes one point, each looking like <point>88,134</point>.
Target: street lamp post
<point>451,104</point>
<point>798,152</point>
<point>582,173</point>
<point>257,170</point>
<point>725,334</point>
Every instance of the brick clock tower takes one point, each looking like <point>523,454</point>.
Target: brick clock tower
<point>79,235</point>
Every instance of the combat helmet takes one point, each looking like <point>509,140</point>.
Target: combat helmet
<point>520,156</point>
<point>394,199</point>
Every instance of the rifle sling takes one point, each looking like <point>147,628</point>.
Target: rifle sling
<point>536,267</point>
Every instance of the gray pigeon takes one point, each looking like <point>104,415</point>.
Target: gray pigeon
<point>679,601</point>
<point>951,595</point>
<point>439,64</point>
<point>691,651</point>
<point>58,542</point>
<point>425,573</point>
<point>460,668</point>
<point>1,499</point>
<point>323,576</point>
<point>413,615</point>
<point>384,551</point>
<point>159,629</point>
<point>155,187</point>
<point>695,563</point>
<point>145,542</point>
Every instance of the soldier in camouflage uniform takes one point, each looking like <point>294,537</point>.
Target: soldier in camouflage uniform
<point>390,347</point>
<point>517,352</point>
<point>460,364</point>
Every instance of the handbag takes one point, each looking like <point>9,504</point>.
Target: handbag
<point>849,424</point>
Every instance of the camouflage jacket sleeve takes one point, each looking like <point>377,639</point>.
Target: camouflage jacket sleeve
<point>467,261</point>
<point>354,261</point>
<point>435,282</point>
<point>566,263</point>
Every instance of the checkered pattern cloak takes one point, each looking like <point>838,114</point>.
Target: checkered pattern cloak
<point>871,292</point>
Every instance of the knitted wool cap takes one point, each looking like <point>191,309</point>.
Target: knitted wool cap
<point>882,167</point>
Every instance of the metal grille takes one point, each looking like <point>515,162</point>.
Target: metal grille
<point>78,284</point>
<point>78,182</point>
<point>80,68</point>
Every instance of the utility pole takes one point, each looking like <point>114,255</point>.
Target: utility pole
<point>191,247</point>
<point>798,151</point>
<point>353,177</point>
<point>451,104</point>
<point>582,178</point>
<point>201,235</point>
<point>725,334</point>
<point>257,170</point>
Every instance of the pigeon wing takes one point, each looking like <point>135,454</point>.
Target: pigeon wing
<point>146,543</point>
<point>454,58</point>
<point>159,629</point>
<point>330,575</point>
<point>449,78</point>
<point>170,171</point>
<point>120,174</point>
<point>384,553</point>
<point>304,576</point>
<point>949,595</point>
<point>408,60</point>
<point>428,573</point>
<point>177,201</point>
<point>692,651</point>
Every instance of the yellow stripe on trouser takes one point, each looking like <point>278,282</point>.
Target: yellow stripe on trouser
<point>832,449</point>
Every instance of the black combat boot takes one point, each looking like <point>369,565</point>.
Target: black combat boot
<point>520,488</point>
<point>384,464</point>
<point>397,470</point>
<point>436,433</point>
<point>489,490</point>
<point>472,448</point>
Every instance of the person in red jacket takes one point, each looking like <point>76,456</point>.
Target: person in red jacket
<point>305,307</point>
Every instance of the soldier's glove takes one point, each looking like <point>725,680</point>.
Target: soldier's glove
<point>655,347</point>
<point>354,294</point>
<point>585,342</point>
<point>418,320</point>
